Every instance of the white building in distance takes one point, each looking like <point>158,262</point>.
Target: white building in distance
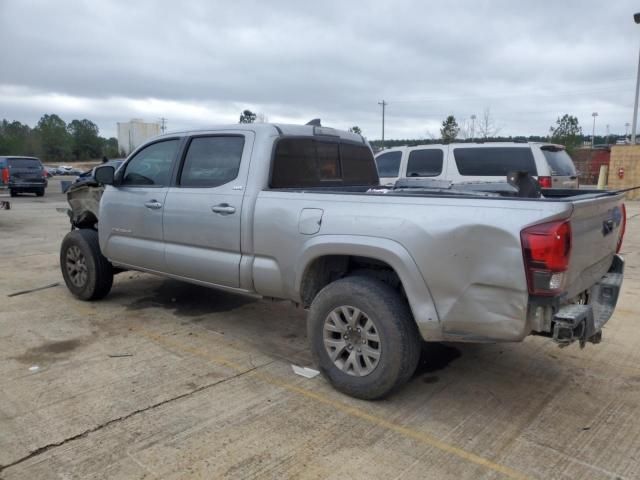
<point>134,133</point>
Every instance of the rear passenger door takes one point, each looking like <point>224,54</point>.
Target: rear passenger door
<point>203,210</point>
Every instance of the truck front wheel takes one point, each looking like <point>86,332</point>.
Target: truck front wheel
<point>363,337</point>
<point>87,273</point>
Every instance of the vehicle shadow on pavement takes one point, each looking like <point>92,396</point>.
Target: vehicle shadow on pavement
<point>273,328</point>
<point>190,300</point>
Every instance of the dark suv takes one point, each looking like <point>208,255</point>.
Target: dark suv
<point>23,174</point>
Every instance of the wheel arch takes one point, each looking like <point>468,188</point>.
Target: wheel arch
<point>329,257</point>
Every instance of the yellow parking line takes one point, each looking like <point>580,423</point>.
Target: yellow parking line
<point>399,429</point>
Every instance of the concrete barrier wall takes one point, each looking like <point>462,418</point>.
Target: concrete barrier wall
<point>627,157</point>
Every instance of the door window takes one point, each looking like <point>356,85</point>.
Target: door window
<point>152,165</point>
<point>425,163</point>
<point>212,161</point>
<point>389,164</point>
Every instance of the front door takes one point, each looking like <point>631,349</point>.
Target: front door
<point>202,214</point>
<point>130,222</point>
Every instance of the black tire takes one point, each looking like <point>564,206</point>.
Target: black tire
<point>399,344</point>
<point>13,193</point>
<point>40,192</point>
<point>80,252</point>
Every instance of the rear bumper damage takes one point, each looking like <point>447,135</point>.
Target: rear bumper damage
<point>583,322</point>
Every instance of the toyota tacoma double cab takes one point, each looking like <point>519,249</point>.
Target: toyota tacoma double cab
<point>297,212</point>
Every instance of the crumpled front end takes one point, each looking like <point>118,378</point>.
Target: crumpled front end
<point>84,200</point>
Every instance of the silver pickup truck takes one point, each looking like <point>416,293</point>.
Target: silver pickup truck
<point>296,212</point>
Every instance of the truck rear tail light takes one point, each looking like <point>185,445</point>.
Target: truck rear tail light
<point>545,182</point>
<point>546,249</point>
<point>623,228</point>
<point>5,175</point>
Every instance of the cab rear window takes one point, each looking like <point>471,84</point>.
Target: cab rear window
<point>310,162</point>
<point>494,162</point>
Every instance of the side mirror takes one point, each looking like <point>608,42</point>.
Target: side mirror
<point>104,174</point>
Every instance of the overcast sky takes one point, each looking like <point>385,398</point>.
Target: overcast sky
<point>202,62</point>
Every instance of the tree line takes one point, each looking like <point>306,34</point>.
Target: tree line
<point>566,131</point>
<point>53,140</point>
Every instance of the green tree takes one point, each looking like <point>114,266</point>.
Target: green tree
<point>449,130</point>
<point>85,141</point>
<point>567,132</point>
<point>355,129</point>
<point>17,139</point>
<point>55,140</point>
<point>110,147</point>
<point>247,116</point>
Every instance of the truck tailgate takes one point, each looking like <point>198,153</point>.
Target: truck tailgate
<point>596,226</point>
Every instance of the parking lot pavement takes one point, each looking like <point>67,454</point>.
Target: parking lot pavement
<point>167,380</point>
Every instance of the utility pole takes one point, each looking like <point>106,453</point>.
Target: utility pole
<point>635,105</point>
<point>384,104</point>
<point>636,18</point>
<point>593,134</point>
<point>163,124</point>
<point>473,127</point>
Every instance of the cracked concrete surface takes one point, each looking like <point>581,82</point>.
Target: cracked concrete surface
<point>165,380</point>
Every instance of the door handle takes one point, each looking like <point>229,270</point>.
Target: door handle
<point>153,205</point>
<point>223,209</point>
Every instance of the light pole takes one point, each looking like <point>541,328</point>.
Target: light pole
<point>626,130</point>
<point>593,134</point>
<point>384,105</point>
<point>473,126</point>
<point>636,18</point>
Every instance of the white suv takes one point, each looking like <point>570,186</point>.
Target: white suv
<point>466,162</point>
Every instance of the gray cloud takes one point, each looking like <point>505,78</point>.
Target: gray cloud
<point>202,62</point>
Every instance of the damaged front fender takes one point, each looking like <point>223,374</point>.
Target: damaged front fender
<point>84,199</point>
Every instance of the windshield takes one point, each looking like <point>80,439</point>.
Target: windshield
<point>389,164</point>
<point>30,163</point>
<point>559,162</point>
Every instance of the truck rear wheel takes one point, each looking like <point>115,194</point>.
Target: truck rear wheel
<point>363,337</point>
<point>87,273</point>
<point>40,192</point>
